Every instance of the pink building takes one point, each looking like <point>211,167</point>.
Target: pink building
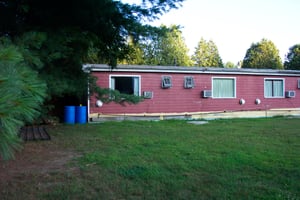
<point>194,91</point>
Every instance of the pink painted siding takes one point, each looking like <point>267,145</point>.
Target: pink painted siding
<point>177,99</point>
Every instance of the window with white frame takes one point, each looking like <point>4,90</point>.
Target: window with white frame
<point>189,82</point>
<point>224,87</point>
<point>126,84</point>
<point>274,88</point>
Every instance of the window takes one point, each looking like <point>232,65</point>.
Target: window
<point>223,87</point>
<point>166,82</point>
<point>189,82</point>
<point>126,84</point>
<point>274,88</point>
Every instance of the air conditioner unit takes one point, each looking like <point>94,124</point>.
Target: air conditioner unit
<point>148,94</point>
<point>206,93</point>
<point>166,82</point>
<point>189,82</point>
<point>290,94</point>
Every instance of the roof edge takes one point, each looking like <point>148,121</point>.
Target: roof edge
<point>188,70</point>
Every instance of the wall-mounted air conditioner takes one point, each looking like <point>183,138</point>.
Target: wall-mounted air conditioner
<point>148,94</point>
<point>166,82</point>
<point>188,82</point>
<point>290,94</point>
<point>206,93</point>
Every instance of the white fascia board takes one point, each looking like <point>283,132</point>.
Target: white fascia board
<point>190,70</point>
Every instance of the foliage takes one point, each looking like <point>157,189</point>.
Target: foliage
<point>293,58</point>
<point>207,55</point>
<point>58,36</point>
<point>22,93</point>
<point>107,95</point>
<point>230,65</point>
<point>135,54</point>
<point>167,47</point>
<point>263,55</point>
<point>62,55</point>
<point>119,20</point>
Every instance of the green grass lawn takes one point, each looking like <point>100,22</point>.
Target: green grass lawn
<point>223,159</point>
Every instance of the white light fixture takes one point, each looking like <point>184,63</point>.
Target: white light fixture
<point>99,103</point>
<point>242,101</point>
<point>257,101</point>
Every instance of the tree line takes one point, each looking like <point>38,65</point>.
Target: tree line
<point>43,45</point>
<point>169,48</point>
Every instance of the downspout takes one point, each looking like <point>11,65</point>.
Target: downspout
<point>87,69</point>
<point>88,100</point>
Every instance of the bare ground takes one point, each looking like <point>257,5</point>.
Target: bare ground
<point>39,162</point>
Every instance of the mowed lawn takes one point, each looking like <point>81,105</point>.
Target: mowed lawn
<point>173,159</point>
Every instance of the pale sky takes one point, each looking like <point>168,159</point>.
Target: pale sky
<point>233,25</point>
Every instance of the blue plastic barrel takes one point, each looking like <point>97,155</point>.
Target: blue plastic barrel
<point>69,116</point>
<point>80,114</point>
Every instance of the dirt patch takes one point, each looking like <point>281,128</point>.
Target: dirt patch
<point>36,158</point>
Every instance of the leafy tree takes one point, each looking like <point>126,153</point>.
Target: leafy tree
<point>293,58</point>
<point>22,93</point>
<point>263,54</point>
<point>207,55</point>
<point>167,47</point>
<point>135,54</point>
<point>230,65</point>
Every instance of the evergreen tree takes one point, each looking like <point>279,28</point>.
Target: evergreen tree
<point>22,93</point>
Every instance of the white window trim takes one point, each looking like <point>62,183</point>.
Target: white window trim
<point>120,75</point>
<point>219,77</point>
<point>283,85</point>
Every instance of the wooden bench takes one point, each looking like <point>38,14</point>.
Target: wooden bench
<point>31,133</point>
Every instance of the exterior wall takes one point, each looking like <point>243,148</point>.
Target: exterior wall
<point>177,99</point>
